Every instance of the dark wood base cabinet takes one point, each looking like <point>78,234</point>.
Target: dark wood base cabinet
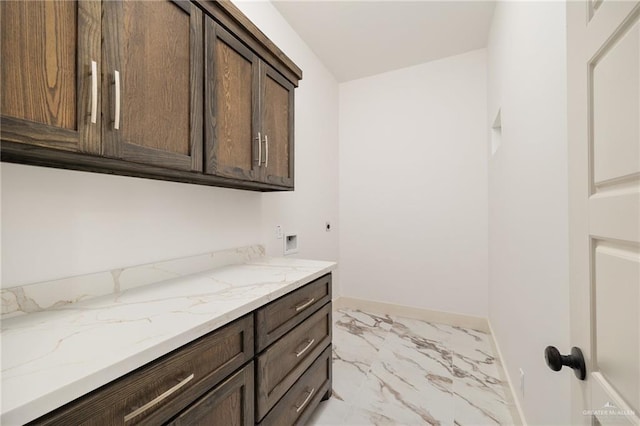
<point>270,367</point>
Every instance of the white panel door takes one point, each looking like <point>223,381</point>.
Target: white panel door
<point>604,176</point>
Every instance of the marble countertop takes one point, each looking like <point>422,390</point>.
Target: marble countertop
<point>51,357</point>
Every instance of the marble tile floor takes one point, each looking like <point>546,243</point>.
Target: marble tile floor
<point>389,370</point>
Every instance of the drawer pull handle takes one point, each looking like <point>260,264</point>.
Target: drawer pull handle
<point>301,406</point>
<point>305,304</point>
<point>311,342</point>
<point>157,400</point>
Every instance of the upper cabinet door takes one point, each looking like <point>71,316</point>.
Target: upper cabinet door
<point>48,84</point>
<point>232,138</point>
<point>152,82</point>
<point>277,127</point>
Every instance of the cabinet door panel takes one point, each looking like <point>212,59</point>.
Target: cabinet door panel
<point>47,48</point>
<point>47,94</point>
<point>231,78</point>
<point>155,76</point>
<point>156,49</point>
<point>229,404</point>
<point>277,125</point>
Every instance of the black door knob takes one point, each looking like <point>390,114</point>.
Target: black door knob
<point>555,361</point>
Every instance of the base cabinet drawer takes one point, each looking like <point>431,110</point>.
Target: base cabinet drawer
<point>156,392</point>
<point>279,317</point>
<point>297,405</point>
<point>280,365</point>
<point>228,404</point>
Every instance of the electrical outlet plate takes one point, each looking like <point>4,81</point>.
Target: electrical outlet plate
<point>279,232</point>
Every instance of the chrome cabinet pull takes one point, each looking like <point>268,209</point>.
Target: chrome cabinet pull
<point>266,151</point>
<point>259,137</point>
<point>299,354</point>
<point>94,92</point>
<point>305,304</point>
<point>157,400</point>
<point>301,406</point>
<point>116,121</point>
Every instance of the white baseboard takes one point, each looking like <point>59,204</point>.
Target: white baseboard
<point>459,320</point>
<point>517,413</point>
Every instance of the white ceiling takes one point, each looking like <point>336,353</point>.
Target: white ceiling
<point>355,39</point>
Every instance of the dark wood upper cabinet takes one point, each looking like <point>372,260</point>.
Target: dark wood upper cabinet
<point>249,113</point>
<point>188,91</point>
<point>231,105</point>
<point>152,104</point>
<point>48,49</point>
<point>277,126</point>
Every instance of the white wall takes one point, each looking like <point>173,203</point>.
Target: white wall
<point>413,186</point>
<point>528,243</point>
<point>58,223</point>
